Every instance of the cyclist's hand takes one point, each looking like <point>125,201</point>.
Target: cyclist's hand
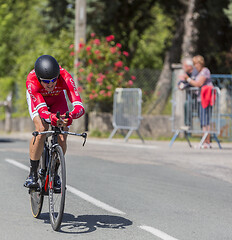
<point>56,121</point>
<point>67,121</point>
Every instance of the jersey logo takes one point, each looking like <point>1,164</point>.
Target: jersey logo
<point>74,87</point>
<point>31,94</point>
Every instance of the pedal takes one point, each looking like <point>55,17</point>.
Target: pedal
<point>57,190</point>
<point>42,173</point>
<point>31,190</point>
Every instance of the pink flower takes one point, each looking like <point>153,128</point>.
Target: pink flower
<point>130,83</point>
<point>110,38</point>
<point>102,92</point>
<point>125,53</point>
<point>118,64</point>
<point>77,64</point>
<point>109,87</point>
<point>121,73</point>
<point>88,48</point>
<point>126,68</point>
<point>90,61</point>
<point>81,70</point>
<point>113,50</point>
<point>91,96</point>
<point>99,80</point>
<point>93,91</point>
<point>97,41</point>
<point>133,77</point>
<point>80,89</point>
<point>71,46</point>
<point>109,94</point>
<point>95,95</point>
<point>93,35</point>
<point>101,75</point>
<point>89,77</point>
<point>119,45</point>
<point>71,53</point>
<point>81,45</point>
<point>97,52</point>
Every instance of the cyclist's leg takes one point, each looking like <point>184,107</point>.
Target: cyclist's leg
<point>62,139</point>
<point>36,147</point>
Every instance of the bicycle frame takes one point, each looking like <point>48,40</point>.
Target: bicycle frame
<point>52,161</point>
<point>55,132</point>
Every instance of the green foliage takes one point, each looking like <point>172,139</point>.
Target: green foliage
<point>6,84</point>
<point>24,39</point>
<point>215,35</point>
<point>153,42</point>
<point>122,18</point>
<point>228,12</point>
<point>101,70</point>
<point>57,15</point>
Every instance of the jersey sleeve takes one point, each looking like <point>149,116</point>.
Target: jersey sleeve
<point>38,101</point>
<point>74,97</point>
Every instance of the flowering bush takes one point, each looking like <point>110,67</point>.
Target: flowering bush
<point>100,70</point>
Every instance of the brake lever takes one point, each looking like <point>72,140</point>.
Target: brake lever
<point>35,134</point>
<point>84,135</point>
<point>67,114</point>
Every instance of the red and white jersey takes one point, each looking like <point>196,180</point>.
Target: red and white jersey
<point>42,99</point>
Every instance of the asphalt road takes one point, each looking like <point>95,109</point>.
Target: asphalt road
<point>124,191</point>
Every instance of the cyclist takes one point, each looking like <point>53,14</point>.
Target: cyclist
<point>46,85</point>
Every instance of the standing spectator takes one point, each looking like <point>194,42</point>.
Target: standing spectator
<point>188,70</point>
<point>202,79</point>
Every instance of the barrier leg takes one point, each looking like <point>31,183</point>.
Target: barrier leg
<point>140,136</point>
<point>113,133</point>
<point>203,139</point>
<point>187,138</point>
<point>217,140</point>
<point>128,134</point>
<point>174,137</point>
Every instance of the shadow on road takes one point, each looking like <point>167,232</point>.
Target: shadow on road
<point>88,223</point>
<point>10,140</point>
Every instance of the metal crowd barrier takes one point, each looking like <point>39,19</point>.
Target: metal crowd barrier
<point>188,115</point>
<point>224,82</point>
<point>127,111</point>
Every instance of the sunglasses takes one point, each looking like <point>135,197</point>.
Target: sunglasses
<point>47,81</point>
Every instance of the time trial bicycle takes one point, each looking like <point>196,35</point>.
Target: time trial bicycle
<point>52,164</point>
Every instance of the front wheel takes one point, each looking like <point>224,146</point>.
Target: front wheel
<point>57,197</point>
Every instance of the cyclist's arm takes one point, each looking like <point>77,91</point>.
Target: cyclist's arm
<point>39,102</point>
<point>74,97</point>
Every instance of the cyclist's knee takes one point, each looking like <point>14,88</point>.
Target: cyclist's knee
<point>40,125</point>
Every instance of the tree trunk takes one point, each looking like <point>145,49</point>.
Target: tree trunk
<point>183,45</point>
<point>164,85</point>
<point>191,32</point>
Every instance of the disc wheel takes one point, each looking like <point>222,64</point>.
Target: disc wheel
<point>36,199</point>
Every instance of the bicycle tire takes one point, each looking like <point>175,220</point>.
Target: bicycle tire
<point>36,196</point>
<point>56,209</point>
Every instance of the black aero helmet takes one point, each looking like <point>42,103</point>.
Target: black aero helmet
<point>46,67</point>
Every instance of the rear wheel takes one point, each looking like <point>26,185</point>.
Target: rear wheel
<point>57,198</point>
<point>36,199</point>
<point>36,195</point>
